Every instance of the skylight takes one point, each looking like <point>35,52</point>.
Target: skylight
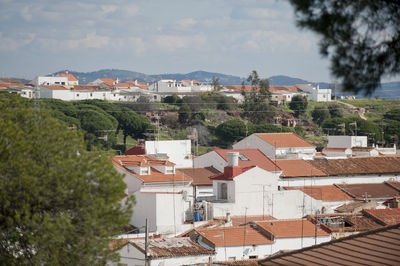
<point>243,158</point>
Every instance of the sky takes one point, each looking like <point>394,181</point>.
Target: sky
<point>234,37</point>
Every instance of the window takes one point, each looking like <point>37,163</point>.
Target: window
<point>63,83</point>
<point>91,94</point>
<point>243,158</point>
<point>253,257</point>
<point>232,258</point>
<point>223,191</point>
<point>57,82</point>
<point>77,95</point>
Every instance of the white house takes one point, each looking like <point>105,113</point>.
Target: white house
<point>25,91</point>
<point>177,151</point>
<point>347,141</point>
<point>44,80</point>
<point>291,234</point>
<point>164,251</point>
<point>259,239</point>
<point>315,93</point>
<point>163,195</point>
<point>218,158</point>
<point>72,80</point>
<point>278,145</point>
<point>234,242</point>
<point>169,85</point>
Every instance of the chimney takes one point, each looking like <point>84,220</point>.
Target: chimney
<point>66,71</point>
<point>233,158</point>
<point>228,217</point>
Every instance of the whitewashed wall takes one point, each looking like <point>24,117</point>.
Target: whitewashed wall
<point>210,159</point>
<point>178,151</point>
<point>242,252</point>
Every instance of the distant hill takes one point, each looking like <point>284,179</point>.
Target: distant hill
<point>390,90</point>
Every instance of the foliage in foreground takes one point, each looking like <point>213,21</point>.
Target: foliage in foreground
<point>60,204</point>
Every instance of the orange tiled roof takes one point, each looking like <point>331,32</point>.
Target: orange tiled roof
<point>292,228</point>
<point>334,149</point>
<point>255,158</point>
<point>284,88</point>
<point>369,190</point>
<point>108,81</point>
<point>298,168</point>
<point>230,172</point>
<point>70,76</point>
<point>139,160</point>
<point>200,175</point>
<point>86,87</point>
<point>234,236</point>
<point>324,193</point>
<point>155,176</point>
<point>362,165</point>
<point>386,216</point>
<point>284,140</point>
<point>54,87</point>
<point>6,85</point>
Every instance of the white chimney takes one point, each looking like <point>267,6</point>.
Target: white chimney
<point>233,158</point>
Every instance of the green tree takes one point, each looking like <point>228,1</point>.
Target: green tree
<point>335,110</point>
<point>215,84</point>
<point>132,124</point>
<point>320,114</point>
<point>184,114</point>
<point>298,104</point>
<point>361,38</point>
<point>60,204</point>
<point>231,131</point>
<point>256,107</point>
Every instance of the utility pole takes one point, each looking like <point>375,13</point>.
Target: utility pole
<point>146,245</point>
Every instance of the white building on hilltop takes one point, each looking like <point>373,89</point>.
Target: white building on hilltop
<point>315,93</point>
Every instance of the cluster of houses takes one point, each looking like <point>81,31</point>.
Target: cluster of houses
<point>65,86</point>
<point>272,193</point>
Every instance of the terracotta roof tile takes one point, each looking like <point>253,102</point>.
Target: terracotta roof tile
<point>284,140</point>
<point>234,236</point>
<point>292,228</point>
<point>70,76</point>
<point>376,247</point>
<point>230,172</point>
<point>200,175</point>
<point>298,168</point>
<point>239,88</point>
<point>370,190</point>
<point>254,156</point>
<point>362,165</point>
<point>350,207</point>
<point>54,87</point>
<point>86,87</point>
<point>324,193</point>
<point>386,216</point>
<point>171,247</point>
<point>346,222</point>
<point>155,176</point>
<point>6,85</point>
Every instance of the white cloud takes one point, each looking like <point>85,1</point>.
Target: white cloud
<point>175,42</point>
<point>91,40</point>
<point>186,23</point>
<point>270,40</point>
<point>13,44</point>
<point>108,9</point>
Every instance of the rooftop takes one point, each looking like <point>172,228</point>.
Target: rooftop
<point>386,216</point>
<point>376,247</point>
<point>171,247</point>
<point>292,228</point>
<point>359,166</point>
<point>284,140</point>
<point>250,157</point>
<point>324,193</point>
<point>298,168</point>
<point>234,236</point>
<point>346,222</point>
<point>200,175</point>
<point>369,190</point>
